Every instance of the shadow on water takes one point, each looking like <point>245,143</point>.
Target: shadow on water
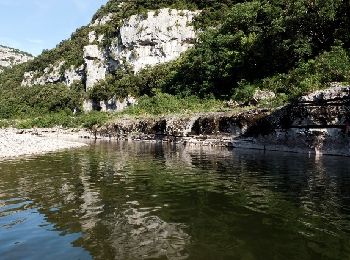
<point>153,201</point>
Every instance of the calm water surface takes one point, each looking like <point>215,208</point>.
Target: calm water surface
<point>148,201</point>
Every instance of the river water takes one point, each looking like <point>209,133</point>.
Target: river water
<point>153,201</point>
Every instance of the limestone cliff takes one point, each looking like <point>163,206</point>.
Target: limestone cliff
<point>53,74</point>
<point>10,57</point>
<point>159,37</point>
<point>141,40</point>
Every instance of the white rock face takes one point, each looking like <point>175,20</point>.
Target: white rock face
<point>143,40</point>
<point>88,105</point>
<point>112,105</point>
<point>261,95</point>
<point>52,74</point>
<point>103,20</point>
<point>96,67</point>
<point>74,74</point>
<point>116,104</point>
<point>159,37</point>
<point>92,36</point>
<point>10,57</point>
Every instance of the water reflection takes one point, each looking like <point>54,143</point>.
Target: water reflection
<point>138,235</point>
<point>137,200</point>
<point>25,234</point>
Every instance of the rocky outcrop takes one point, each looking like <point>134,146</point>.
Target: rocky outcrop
<point>221,127</point>
<point>103,20</point>
<point>262,95</point>
<point>157,37</point>
<point>113,104</point>
<point>96,68</point>
<point>142,40</point>
<point>74,74</point>
<point>318,123</point>
<point>53,74</point>
<point>10,57</point>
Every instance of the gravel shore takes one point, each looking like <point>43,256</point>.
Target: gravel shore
<point>15,143</point>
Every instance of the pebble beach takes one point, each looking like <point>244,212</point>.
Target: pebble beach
<point>15,143</point>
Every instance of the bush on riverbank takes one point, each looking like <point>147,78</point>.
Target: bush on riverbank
<point>34,101</point>
<point>157,105</point>
<point>163,104</point>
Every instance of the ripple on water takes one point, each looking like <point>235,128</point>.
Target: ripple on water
<point>26,234</point>
<point>135,201</point>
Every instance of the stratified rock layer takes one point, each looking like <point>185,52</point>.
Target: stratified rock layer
<point>318,123</point>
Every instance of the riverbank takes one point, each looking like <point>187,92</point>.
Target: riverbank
<point>318,123</point>
<point>15,143</point>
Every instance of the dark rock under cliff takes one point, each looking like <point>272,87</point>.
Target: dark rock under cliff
<point>317,123</point>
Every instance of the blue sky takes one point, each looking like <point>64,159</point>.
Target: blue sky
<point>34,25</point>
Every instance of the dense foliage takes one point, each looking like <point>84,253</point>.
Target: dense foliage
<point>37,100</point>
<point>157,105</point>
<point>261,39</point>
<point>289,47</point>
<point>160,104</point>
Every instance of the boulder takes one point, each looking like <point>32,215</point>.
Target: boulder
<point>261,95</point>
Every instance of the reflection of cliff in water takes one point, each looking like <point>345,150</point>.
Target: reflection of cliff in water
<point>137,200</point>
<point>136,235</point>
<point>315,182</point>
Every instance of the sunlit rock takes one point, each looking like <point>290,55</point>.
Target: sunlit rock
<point>96,67</point>
<point>156,37</point>
<point>10,57</point>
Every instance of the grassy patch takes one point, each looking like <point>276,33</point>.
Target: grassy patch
<point>159,105</point>
<point>165,104</point>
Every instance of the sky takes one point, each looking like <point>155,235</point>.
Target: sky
<point>34,25</point>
